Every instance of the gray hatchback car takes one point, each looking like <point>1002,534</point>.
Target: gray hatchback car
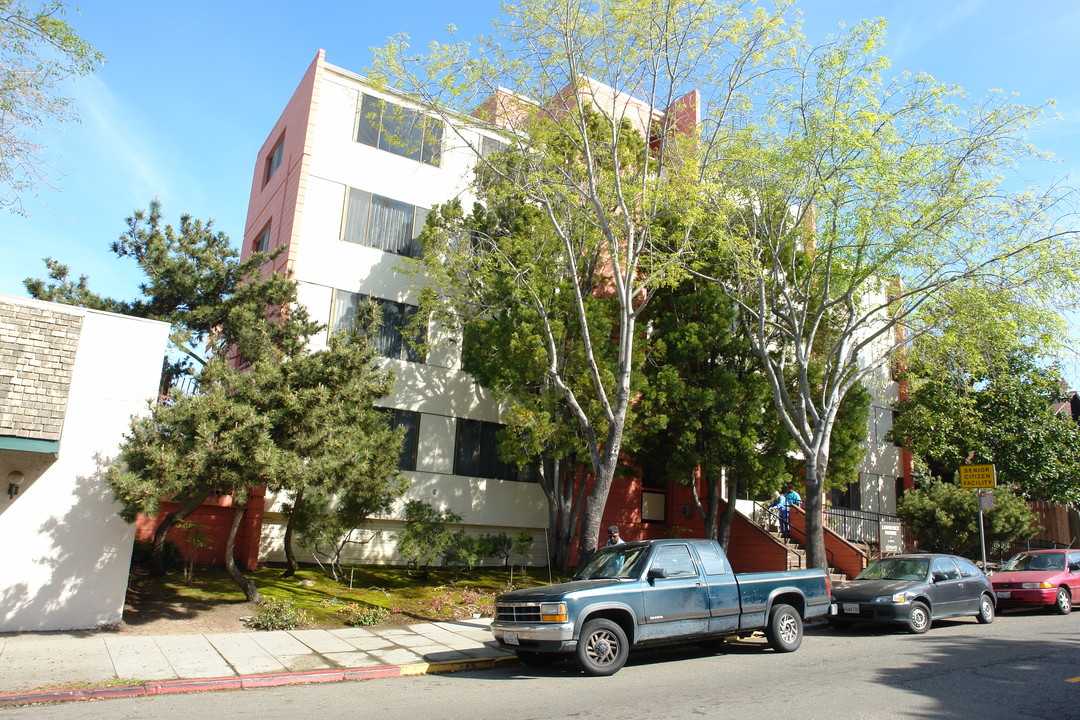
<point>914,590</point>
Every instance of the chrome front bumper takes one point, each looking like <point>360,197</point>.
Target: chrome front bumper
<point>528,634</point>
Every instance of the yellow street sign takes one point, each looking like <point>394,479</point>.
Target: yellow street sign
<point>977,476</point>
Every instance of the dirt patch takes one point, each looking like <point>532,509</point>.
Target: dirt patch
<point>148,615</point>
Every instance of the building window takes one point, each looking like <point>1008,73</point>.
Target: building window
<point>262,242</point>
<point>410,420</point>
<point>379,222</point>
<point>653,507</point>
<point>476,454</point>
<point>392,340</point>
<point>402,131</point>
<point>489,146</point>
<point>273,160</point>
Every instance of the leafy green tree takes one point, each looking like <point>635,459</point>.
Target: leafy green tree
<point>268,412</point>
<point>848,204</point>
<point>195,281</point>
<point>705,406</point>
<point>1008,419</point>
<point>39,52</point>
<point>600,172</point>
<point>942,517</point>
<point>218,307</point>
<point>284,422</point>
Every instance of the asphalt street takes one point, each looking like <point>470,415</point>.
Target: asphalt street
<point>1024,665</point>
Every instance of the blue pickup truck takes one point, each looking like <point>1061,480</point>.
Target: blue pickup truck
<point>655,592</point>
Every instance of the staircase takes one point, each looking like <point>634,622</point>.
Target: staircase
<point>796,557</point>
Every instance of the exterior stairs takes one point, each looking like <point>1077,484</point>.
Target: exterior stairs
<point>796,557</point>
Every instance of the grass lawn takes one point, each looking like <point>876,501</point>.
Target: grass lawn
<point>365,594</point>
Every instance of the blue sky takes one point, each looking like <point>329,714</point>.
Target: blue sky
<point>190,91</point>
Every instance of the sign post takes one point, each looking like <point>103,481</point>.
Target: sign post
<point>980,477</point>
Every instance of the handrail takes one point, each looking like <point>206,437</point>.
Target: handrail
<point>761,509</point>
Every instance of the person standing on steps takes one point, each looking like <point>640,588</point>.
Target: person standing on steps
<point>784,511</point>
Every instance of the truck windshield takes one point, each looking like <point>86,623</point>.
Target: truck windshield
<point>618,561</point>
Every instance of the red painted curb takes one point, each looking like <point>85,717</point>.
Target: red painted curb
<point>244,682</point>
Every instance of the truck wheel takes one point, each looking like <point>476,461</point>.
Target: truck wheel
<point>1063,602</point>
<point>601,647</point>
<point>784,631</point>
<point>918,620</point>
<point>986,610</point>
<point>536,659</point>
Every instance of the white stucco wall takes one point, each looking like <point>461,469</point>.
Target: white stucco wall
<point>66,550</point>
<point>437,388</point>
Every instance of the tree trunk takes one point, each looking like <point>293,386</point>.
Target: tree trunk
<point>727,518</point>
<point>246,585</point>
<point>157,555</point>
<point>291,566</point>
<point>815,536</point>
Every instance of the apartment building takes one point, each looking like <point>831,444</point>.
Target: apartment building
<point>348,199</point>
<point>346,195</point>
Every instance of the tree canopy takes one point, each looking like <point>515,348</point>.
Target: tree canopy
<point>39,51</point>
<point>596,102</point>
<point>851,203</point>
<point>267,412</point>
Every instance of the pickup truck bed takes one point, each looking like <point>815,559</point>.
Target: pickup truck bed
<point>654,592</point>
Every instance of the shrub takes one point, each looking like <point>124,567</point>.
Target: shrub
<point>942,517</point>
<point>277,614</point>
<point>425,536</point>
<point>367,615</point>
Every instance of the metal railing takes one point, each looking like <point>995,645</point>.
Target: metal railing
<point>853,525</point>
<point>769,520</point>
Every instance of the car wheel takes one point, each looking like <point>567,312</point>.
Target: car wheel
<point>602,647</point>
<point>785,629</point>
<point>1063,602</point>
<point>986,610</point>
<point>918,620</point>
<point>536,659</point>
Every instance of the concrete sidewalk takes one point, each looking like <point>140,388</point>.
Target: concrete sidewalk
<point>78,665</point>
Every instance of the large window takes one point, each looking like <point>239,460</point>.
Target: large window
<point>382,223</point>
<point>476,453</point>
<point>392,340</point>
<point>405,132</point>
<point>410,420</point>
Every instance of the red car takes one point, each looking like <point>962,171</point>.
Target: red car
<point>1039,577</point>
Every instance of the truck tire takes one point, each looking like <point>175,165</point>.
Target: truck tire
<point>785,629</point>
<point>918,618</point>
<point>536,659</point>
<point>602,647</point>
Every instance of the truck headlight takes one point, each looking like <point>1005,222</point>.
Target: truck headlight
<point>553,612</point>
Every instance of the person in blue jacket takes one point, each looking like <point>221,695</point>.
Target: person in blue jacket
<point>792,497</point>
<point>784,511</point>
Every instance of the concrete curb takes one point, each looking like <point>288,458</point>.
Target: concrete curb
<point>248,682</point>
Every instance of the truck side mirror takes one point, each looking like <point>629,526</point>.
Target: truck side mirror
<point>657,572</point>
